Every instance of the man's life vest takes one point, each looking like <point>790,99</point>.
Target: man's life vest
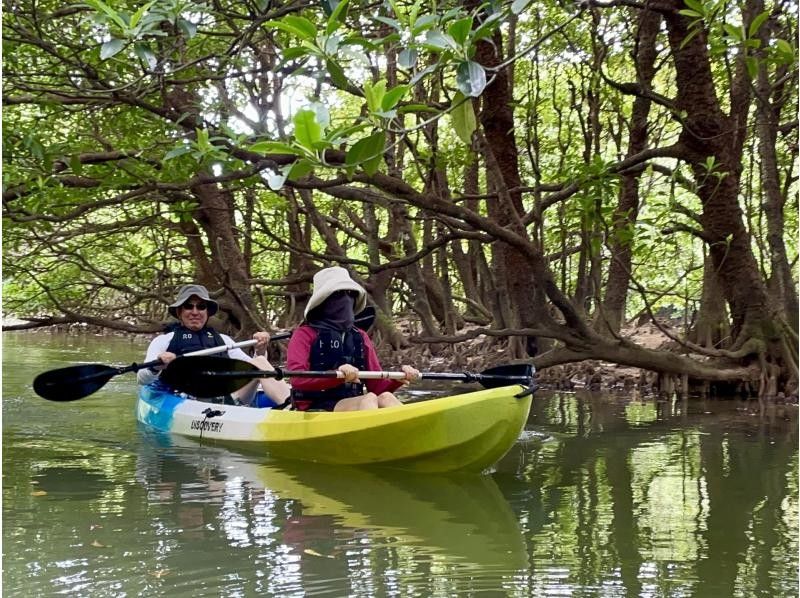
<point>185,341</point>
<point>329,350</point>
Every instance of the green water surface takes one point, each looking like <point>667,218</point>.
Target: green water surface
<point>602,496</point>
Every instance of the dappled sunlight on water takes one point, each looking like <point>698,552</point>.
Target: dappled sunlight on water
<point>601,496</point>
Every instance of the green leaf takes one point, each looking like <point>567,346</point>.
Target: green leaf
<point>274,147</point>
<point>407,58</point>
<point>413,14</point>
<point>696,5</point>
<point>307,131</point>
<point>785,50</point>
<point>337,74</point>
<point>463,115</point>
<point>137,16</point>
<point>734,32</point>
<point>470,78</point>
<point>322,112</point>
<point>337,17</point>
<point>294,52</point>
<point>342,134</point>
<point>101,6</point>
<point>519,5</point>
<point>757,22</point>
<point>144,52</point>
<point>459,30</point>
<point>75,164</point>
<point>360,42</point>
<point>299,26</point>
<point>752,66</point>
<point>393,96</point>
<point>368,152</point>
<point>328,6</point>
<point>393,23</point>
<point>111,48</point>
<point>418,76</point>
<point>188,28</point>
<point>374,94</point>
<point>176,152</point>
<point>692,33</point>
<point>202,140</point>
<point>330,44</point>
<point>424,23</point>
<point>300,169</point>
<point>488,26</point>
<point>440,41</point>
<point>307,29</point>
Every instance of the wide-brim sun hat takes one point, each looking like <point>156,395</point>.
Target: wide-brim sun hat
<point>329,280</point>
<point>187,291</point>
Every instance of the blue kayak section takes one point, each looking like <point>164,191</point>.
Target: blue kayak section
<point>157,405</point>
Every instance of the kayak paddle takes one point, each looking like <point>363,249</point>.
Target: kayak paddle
<point>78,381</point>
<point>216,376</point>
<point>75,382</point>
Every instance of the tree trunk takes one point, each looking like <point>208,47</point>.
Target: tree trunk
<point>711,330</point>
<point>215,216</point>
<point>768,112</point>
<point>515,273</point>
<point>713,143</point>
<point>612,315</point>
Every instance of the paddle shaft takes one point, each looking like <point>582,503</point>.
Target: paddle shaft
<point>213,376</point>
<point>366,375</point>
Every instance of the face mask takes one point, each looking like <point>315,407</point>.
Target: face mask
<point>336,312</point>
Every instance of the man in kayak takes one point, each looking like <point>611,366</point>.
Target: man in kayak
<point>328,340</point>
<point>193,308</point>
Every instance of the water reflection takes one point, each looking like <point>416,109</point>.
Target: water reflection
<point>327,512</point>
<point>675,491</point>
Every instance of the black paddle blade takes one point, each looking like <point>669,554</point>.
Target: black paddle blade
<point>73,383</point>
<point>503,375</point>
<point>195,375</point>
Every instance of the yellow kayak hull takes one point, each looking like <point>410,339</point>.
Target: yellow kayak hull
<point>467,432</point>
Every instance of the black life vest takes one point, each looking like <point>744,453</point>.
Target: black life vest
<point>185,341</point>
<point>329,350</point>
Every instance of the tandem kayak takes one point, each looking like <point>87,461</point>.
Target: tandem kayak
<point>465,432</point>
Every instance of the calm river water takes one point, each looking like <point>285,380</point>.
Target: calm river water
<point>602,496</point>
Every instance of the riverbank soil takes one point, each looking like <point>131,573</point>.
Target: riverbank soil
<point>485,352</point>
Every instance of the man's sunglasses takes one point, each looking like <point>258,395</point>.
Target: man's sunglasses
<point>188,306</point>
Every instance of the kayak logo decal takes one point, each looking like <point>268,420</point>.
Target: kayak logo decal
<point>207,426</point>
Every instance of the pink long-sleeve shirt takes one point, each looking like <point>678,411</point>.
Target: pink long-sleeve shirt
<point>298,356</point>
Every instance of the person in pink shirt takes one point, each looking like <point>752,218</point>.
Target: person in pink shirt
<point>329,340</point>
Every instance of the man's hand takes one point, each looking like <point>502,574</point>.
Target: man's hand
<point>165,358</point>
<point>262,341</point>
